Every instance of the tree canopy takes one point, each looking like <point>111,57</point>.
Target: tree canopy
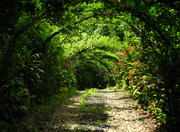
<point>46,45</point>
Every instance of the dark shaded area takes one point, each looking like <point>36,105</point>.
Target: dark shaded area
<point>162,128</point>
<point>90,76</point>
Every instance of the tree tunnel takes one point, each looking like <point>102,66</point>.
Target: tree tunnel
<point>89,75</point>
<point>93,69</point>
<point>46,40</point>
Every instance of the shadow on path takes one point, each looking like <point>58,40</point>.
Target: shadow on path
<point>105,111</point>
<point>90,116</point>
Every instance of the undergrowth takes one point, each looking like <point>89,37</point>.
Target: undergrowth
<point>42,112</point>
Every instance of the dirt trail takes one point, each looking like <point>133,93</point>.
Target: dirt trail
<point>105,111</point>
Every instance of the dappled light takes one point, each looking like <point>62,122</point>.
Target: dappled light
<point>89,65</point>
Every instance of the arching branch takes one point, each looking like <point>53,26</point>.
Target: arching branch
<point>73,57</point>
<point>48,39</point>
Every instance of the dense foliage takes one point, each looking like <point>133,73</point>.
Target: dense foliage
<point>49,47</point>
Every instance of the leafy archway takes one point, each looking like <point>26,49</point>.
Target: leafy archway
<point>33,59</point>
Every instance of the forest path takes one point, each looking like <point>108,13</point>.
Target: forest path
<point>104,111</point>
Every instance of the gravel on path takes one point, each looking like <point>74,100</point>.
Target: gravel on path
<point>105,111</point>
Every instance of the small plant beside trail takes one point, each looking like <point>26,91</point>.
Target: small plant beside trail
<point>143,85</point>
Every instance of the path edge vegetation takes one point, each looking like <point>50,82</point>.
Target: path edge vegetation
<point>33,63</point>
